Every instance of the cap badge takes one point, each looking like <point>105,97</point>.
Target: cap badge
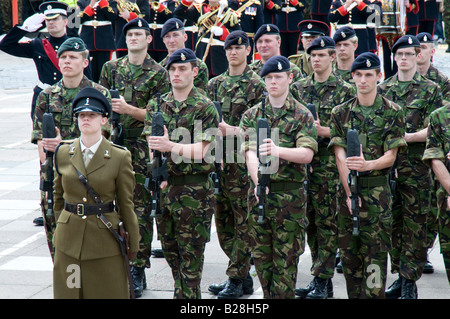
<point>410,41</point>
<point>87,101</point>
<point>425,38</point>
<point>343,35</point>
<point>240,40</point>
<point>140,24</point>
<point>322,43</point>
<point>368,63</point>
<point>310,26</point>
<point>268,28</point>
<point>183,57</point>
<point>76,46</point>
<point>280,67</point>
<point>49,7</point>
<point>176,24</point>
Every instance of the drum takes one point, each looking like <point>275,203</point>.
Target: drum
<point>393,19</point>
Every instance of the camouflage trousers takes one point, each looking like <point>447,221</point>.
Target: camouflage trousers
<point>321,229</point>
<point>278,243</point>
<point>142,199</point>
<point>184,229</point>
<point>49,221</point>
<point>410,212</point>
<point>231,219</point>
<point>444,229</point>
<point>364,257</point>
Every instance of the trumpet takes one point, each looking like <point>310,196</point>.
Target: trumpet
<point>123,5</point>
<point>155,5</point>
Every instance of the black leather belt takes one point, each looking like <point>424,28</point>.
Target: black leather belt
<point>89,209</point>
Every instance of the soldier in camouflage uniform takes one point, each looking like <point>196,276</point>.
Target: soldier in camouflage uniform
<point>268,44</point>
<point>446,21</point>
<point>57,99</point>
<point>138,78</point>
<point>279,240</point>
<point>346,44</point>
<point>191,121</point>
<point>325,91</point>
<point>174,37</point>
<point>380,126</point>
<point>238,89</point>
<point>437,155</point>
<point>418,97</point>
<point>427,70</point>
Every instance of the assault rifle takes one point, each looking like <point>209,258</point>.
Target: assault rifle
<point>116,134</point>
<point>157,168</point>
<point>354,149</point>
<point>312,108</point>
<point>215,176</point>
<point>46,185</point>
<point>263,132</point>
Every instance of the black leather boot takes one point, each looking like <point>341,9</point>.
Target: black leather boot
<point>302,292</point>
<point>395,290</point>
<point>330,291</point>
<point>139,280</point>
<point>320,289</point>
<point>216,288</point>
<point>247,285</point>
<point>409,289</point>
<point>233,289</point>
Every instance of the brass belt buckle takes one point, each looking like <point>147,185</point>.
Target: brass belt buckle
<point>80,209</point>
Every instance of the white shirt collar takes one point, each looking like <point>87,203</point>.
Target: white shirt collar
<point>93,148</point>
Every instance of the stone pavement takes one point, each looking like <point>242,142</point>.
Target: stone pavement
<point>25,265</point>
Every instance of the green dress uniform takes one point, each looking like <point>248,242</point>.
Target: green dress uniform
<point>185,225</point>
<point>81,239</point>
<point>324,178</point>
<point>437,147</point>
<point>137,85</point>
<point>57,100</point>
<point>236,95</point>
<point>278,243</point>
<point>411,206</point>
<point>380,128</point>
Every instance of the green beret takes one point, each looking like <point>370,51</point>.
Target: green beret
<point>72,44</point>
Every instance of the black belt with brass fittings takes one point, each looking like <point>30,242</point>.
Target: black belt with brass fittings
<point>89,209</point>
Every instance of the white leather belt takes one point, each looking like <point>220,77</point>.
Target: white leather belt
<point>42,85</point>
<point>213,42</point>
<point>95,23</point>
<point>155,26</point>
<point>288,9</point>
<point>354,26</point>
<point>192,28</point>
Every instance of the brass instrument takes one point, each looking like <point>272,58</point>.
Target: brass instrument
<point>155,5</point>
<point>130,6</point>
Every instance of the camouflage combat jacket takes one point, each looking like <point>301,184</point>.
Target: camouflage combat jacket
<point>292,126</point>
<point>190,121</point>
<point>57,99</point>
<point>441,80</point>
<point>325,96</point>
<point>438,136</point>
<point>137,88</point>
<point>418,100</point>
<point>381,127</point>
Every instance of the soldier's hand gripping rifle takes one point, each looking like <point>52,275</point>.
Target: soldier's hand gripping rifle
<point>46,185</point>
<point>263,132</point>
<point>116,134</point>
<point>312,108</point>
<point>354,149</point>
<point>215,176</point>
<point>157,168</point>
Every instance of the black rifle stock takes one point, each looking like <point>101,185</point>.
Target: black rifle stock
<point>116,133</point>
<point>263,132</point>
<point>354,149</point>
<point>48,131</point>
<point>312,108</point>
<point>157,168</point>
<point>215,176</point>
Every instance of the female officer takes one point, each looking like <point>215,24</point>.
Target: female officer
<point>88,260</point>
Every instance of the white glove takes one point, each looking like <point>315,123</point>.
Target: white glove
<point>223,3</point>
<point>33,23</point>
<point>218,31</point>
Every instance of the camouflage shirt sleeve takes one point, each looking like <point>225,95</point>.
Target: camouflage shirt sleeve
<point>438,135</point>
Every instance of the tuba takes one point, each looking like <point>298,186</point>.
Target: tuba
<point>155,5</point>
<point>129,5</point>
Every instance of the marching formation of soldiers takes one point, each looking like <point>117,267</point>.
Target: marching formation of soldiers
<point>280,127</point>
